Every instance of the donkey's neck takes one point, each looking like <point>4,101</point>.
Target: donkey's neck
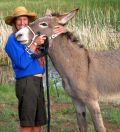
<point>65,55</point>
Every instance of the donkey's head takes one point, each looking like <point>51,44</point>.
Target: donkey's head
<point>44,25</point>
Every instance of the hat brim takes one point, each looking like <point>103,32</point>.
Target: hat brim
<point>9,20</point>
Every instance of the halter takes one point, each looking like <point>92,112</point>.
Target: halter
<point>53,36</point>
<point>34,35</point>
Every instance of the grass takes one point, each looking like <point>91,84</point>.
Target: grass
<point>8,109</point>
<point>63,116</point>
<point>7,94</point>
<point>86,7</point>
<point>111,113</point>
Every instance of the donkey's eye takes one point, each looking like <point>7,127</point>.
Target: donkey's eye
<point>43,25</point>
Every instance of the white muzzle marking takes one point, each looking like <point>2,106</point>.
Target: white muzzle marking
<point>23,35</point>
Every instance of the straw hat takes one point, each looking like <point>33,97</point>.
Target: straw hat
<point>20,11</point>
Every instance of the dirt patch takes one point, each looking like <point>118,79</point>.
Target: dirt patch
<point>111,126</point>
<point>60,106</point>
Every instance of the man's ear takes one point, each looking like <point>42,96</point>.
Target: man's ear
<point>63,19</point>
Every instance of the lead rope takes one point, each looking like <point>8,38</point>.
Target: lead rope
<point>46,44</point>
<point>48,94</point>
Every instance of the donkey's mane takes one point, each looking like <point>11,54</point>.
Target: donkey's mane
<point>73,39</point>
<point>55,14</point>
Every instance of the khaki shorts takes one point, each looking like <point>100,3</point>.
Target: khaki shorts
<point>31,102</point>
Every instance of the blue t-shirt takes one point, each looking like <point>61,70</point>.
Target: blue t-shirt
<point>23,65</point>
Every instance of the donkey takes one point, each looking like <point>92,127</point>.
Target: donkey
<point>88,76</point>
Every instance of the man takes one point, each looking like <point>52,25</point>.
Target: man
<point>28,72</point>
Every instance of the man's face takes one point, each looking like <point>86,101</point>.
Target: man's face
<point>21,22</point>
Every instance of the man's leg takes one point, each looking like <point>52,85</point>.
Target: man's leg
<point>36,129</point>
<point>25,129</point>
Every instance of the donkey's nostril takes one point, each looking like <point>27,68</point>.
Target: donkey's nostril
<point>18,35</point>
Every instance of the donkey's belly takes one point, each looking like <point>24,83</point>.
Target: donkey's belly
<point>108,88</point>
<point>110,98</point>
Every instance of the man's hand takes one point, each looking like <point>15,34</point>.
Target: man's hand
<point>40,40</point>
<point>59,29</point>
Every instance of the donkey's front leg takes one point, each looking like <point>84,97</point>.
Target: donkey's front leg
<point>94,109</point>
<point>79,105</point>
<point>81,115</point>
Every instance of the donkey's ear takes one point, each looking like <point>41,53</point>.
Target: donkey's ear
<point>63,19</point>
<point>48,12</point>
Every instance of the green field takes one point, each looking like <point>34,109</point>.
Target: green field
<point>93,11</point>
